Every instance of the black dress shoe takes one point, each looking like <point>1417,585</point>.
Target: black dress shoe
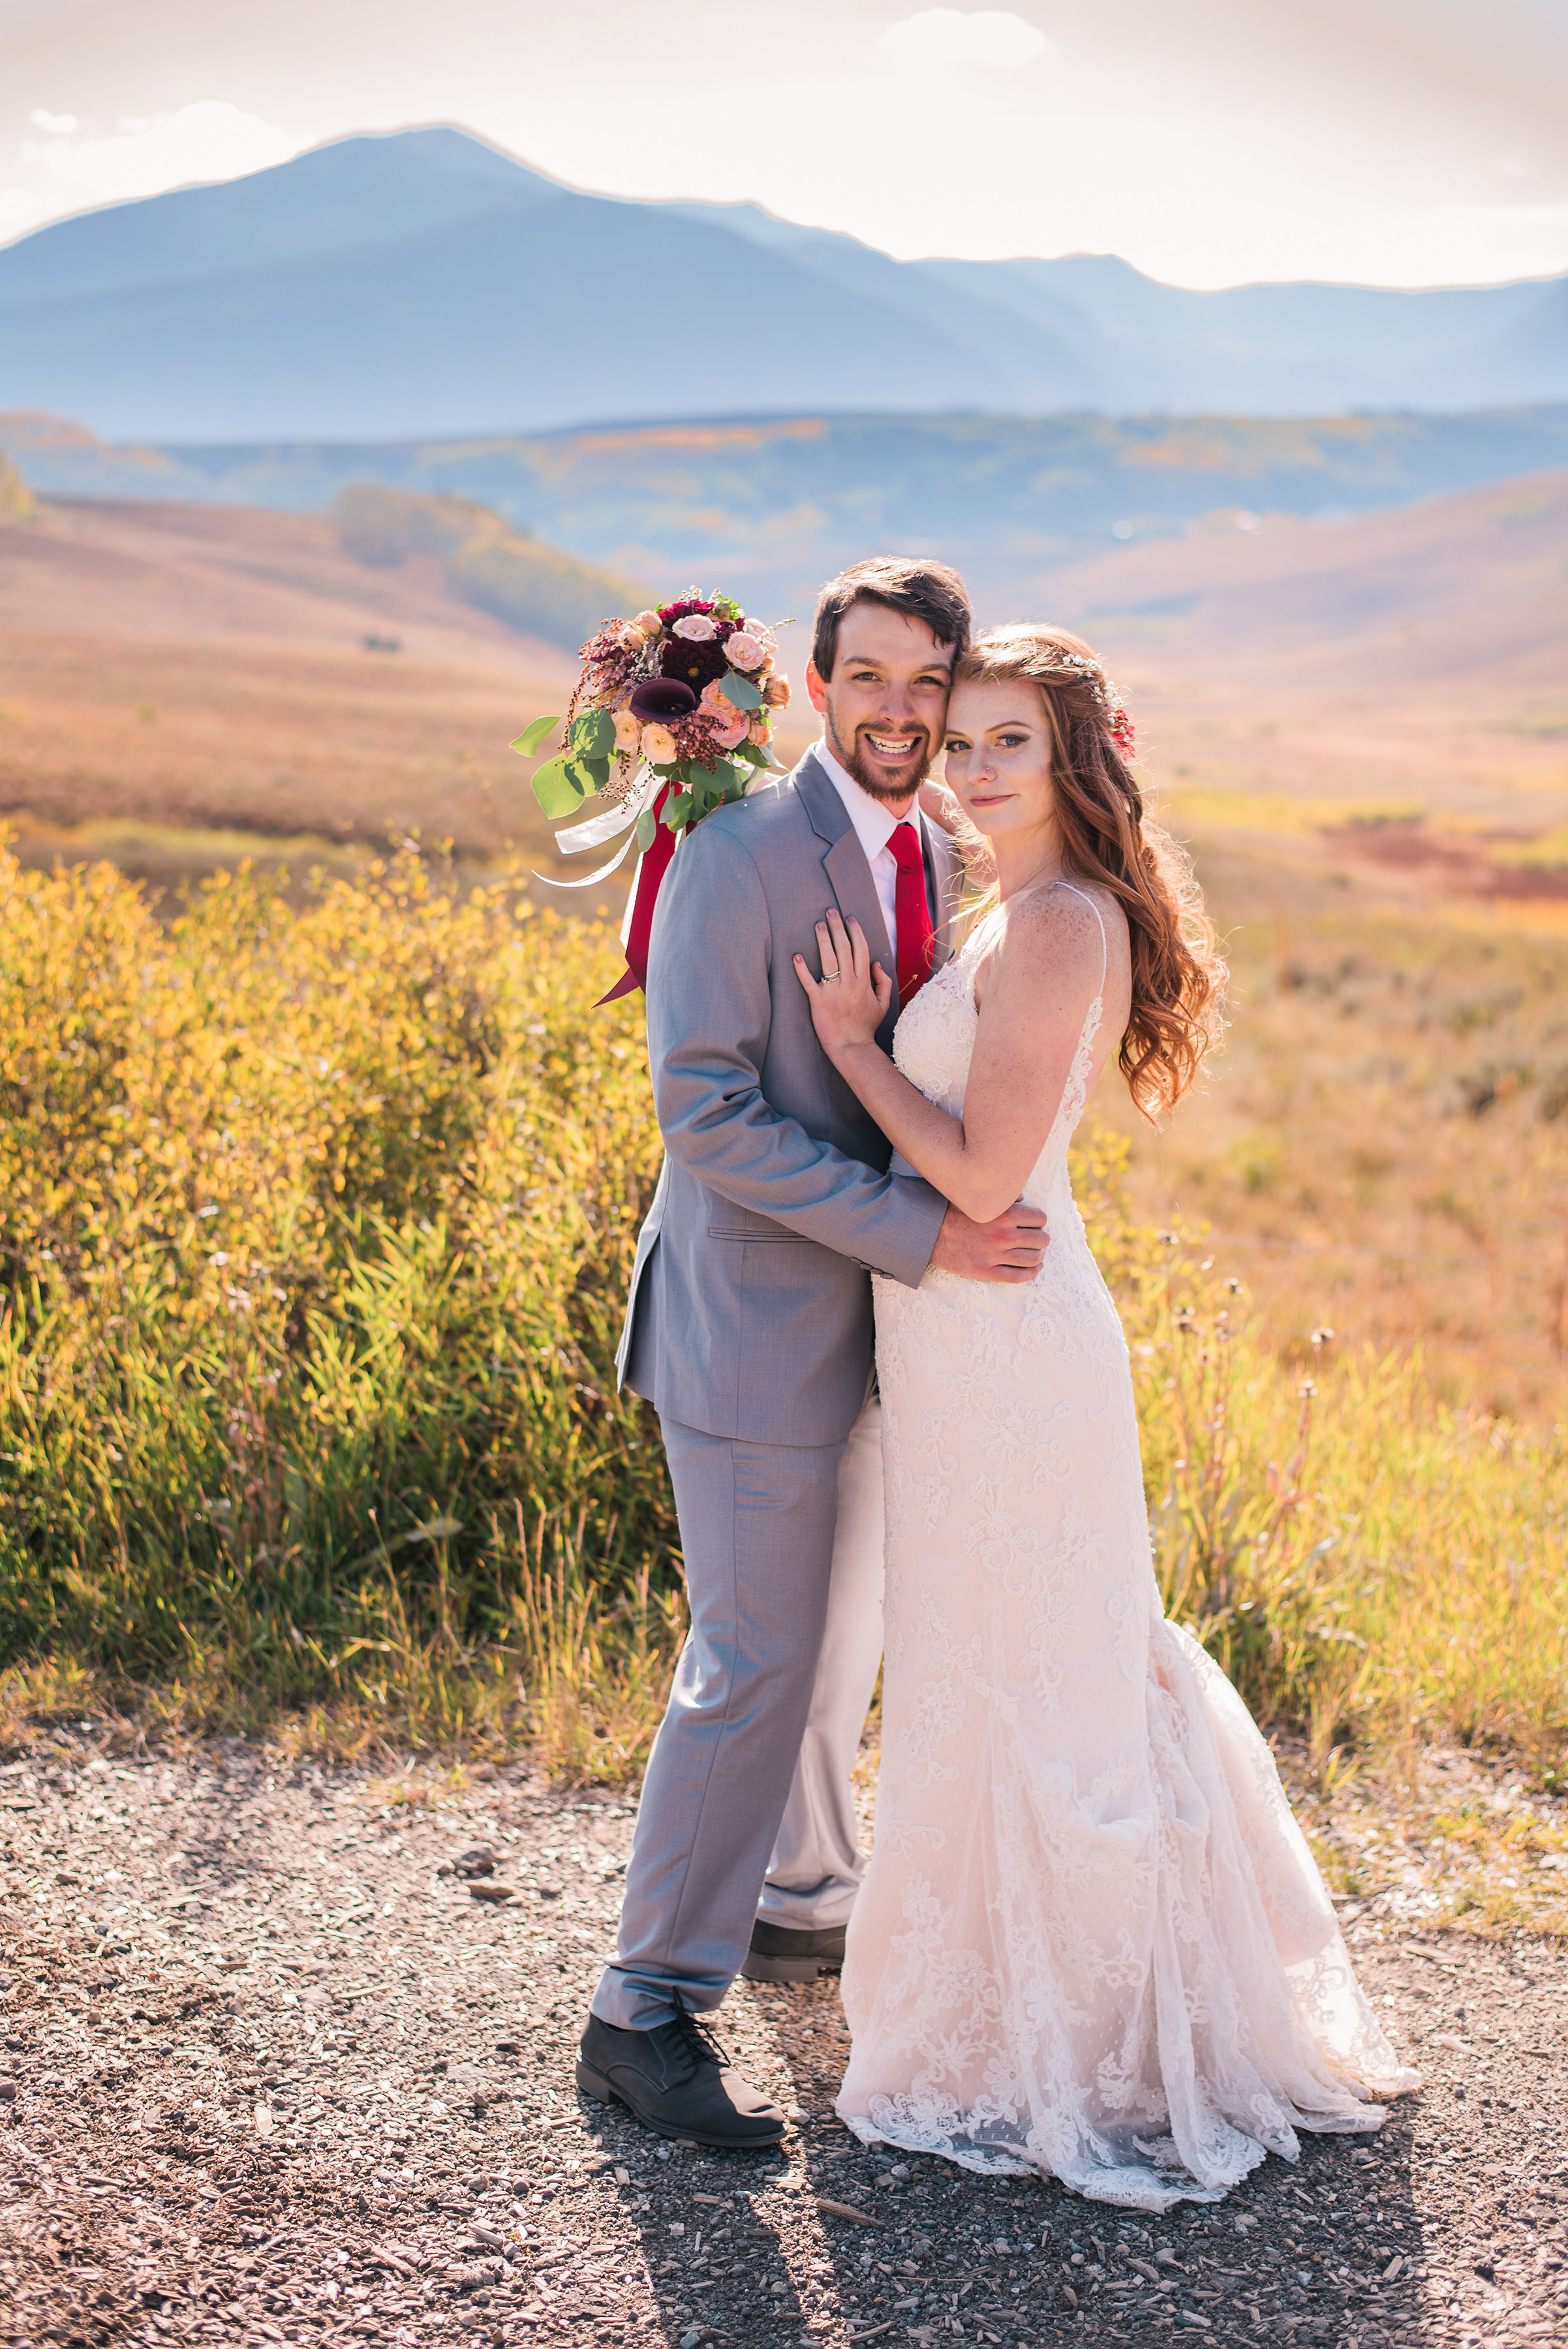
<point>783,1954</point>
<point>678,2081</point>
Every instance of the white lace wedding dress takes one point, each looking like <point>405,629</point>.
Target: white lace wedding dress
<point>1090,1940</point>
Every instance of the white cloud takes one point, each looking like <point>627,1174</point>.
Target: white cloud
<point>73,170</point>
<point>950,36</point>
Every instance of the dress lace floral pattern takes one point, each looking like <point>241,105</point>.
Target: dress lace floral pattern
<point>1090,1940</point>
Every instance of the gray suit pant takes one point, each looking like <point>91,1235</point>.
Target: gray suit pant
<point>783,1546</point>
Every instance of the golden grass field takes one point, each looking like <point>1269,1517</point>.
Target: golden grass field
<point>1363,734</point>
<point>316,1213</point>
<point>1362,731</point>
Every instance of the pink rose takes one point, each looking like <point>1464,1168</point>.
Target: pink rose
<point>776,693</point>
<point>628,733</point>
<point>651,624</point>
<point>743,651</point>
<point>658,746</point>
<point>696,627</point>
<point>726,735</point>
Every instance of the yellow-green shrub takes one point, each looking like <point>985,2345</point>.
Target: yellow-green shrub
<point>315,1226</point>
<point>316,1223</point>
<point>1365,1561</point>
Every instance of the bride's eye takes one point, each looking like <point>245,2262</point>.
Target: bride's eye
<point>1013,741</point>
<point>954,742</point>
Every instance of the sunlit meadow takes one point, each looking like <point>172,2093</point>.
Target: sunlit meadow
<point>318,1209</point>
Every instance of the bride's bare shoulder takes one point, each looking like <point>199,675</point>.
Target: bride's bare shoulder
<point>1045,948</point>
<point>1063,925</point>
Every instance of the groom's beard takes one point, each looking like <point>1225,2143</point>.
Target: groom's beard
<point>878,781</point>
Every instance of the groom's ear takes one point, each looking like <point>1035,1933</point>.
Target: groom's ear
<point>816,692</point>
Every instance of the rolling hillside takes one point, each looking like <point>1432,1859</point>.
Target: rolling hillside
<point>772,508</point>
<point>270,674</point>
<point>421,284</point>
<point>445,578</point>
<point>1469,593</point>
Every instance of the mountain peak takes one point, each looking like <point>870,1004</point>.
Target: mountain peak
<point>417,283</point>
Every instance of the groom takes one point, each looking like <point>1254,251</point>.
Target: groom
<point>750,1329</point>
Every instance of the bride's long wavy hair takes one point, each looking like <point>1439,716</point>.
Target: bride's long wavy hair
<point>1177,971</point>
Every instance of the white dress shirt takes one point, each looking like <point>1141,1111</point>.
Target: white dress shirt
<point>874,823</point>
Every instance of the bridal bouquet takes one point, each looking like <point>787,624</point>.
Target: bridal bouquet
<point>672,716</point>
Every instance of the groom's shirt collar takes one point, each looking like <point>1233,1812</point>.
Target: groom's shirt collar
<point>874,824</point>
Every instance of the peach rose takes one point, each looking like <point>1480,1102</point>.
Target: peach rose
<point>743,651</point>
<point>717,700</point>
<point>658,746</point>
<point>776,693</point>
<point>761,731</point>
<point>733,731</point>
<point>628,733</point>
<point>651,624</point>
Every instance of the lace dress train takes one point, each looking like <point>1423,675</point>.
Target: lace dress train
<point>1090,1940</point>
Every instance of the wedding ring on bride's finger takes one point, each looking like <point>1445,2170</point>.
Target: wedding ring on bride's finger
<point>829,977</point>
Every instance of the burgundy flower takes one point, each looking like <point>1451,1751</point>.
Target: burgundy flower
<point>662,699</point>
<point>671,613</point>
<point>694,665</point>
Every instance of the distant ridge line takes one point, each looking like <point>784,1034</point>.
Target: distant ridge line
<point>795,497</point>
<point>783,419</point>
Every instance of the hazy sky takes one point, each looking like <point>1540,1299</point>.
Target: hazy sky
<point>1209,141</point>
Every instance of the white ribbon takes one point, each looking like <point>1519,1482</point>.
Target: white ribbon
<point>596,829</point>
<point>579,837</point>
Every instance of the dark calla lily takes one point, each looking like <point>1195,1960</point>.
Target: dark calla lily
<point>661,698</point>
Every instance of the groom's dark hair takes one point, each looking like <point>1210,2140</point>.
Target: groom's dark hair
<point>920,587</point>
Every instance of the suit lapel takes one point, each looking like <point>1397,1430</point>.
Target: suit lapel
<point>848,874</point>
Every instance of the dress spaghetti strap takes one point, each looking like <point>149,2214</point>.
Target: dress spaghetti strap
<point>1098,916</point>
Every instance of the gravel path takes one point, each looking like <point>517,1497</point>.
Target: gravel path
<point>272,2071</point>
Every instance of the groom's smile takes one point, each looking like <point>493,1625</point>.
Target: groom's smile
<point>897,762</point>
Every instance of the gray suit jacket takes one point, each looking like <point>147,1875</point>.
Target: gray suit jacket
<point>749,1314</point>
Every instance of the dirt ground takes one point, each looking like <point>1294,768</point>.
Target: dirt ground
<point>273,2072</point>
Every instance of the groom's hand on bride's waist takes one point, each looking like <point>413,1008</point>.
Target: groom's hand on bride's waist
<point>1007,1249</point>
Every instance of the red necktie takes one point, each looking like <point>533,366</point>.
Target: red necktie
<point>917,938</point>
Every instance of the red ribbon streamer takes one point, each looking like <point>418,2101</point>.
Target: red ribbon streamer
<point>650,873</point>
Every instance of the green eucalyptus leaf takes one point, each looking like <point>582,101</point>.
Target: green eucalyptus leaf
<point>593,734</point>
<point>678,810</point>
<point>647,825</point>
<point>557,789</point>
<point>528,741</point>
<point>741,690</point>
<point>592,773</point>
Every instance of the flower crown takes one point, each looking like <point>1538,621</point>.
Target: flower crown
<point>1108,697</point>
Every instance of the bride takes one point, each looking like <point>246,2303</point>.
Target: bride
<point>1091,1941</point>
